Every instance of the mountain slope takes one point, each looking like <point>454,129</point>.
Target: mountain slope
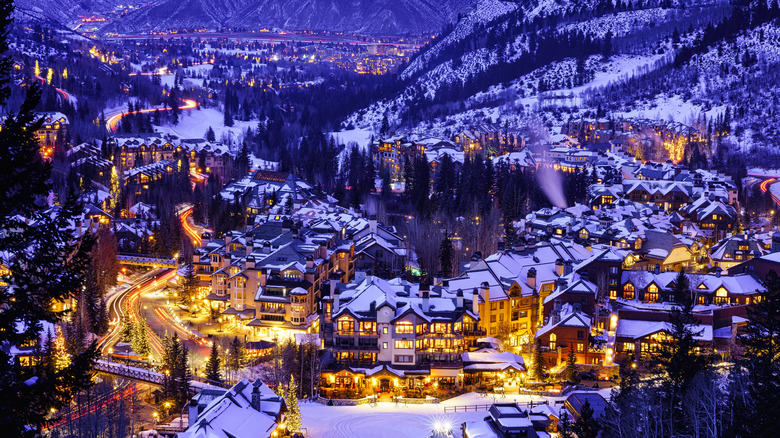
<point>506,59</point>
<point>363,16</point>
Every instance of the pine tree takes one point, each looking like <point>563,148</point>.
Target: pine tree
<point>538,366</point>
<point>128,330</point>
<point>210,136</point>
<point>587,426</point>
<point>753,383</point>
<point>141,344</point>
<point>571,365</point>
<point>212,366</point>
<point>46,263</point>
<point>59,353</point>
<point>293,411</point>
<point>446,256</point>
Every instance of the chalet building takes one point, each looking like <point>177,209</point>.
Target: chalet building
<point>269,192</point>
<point>709,289</point>
<point>208,157</point>
<point>270,277</point>
<point>667,251</point>
<point>138,178</point>
<point>715,218</point>
<point>412,333</point>
<point>511,286</point>
<point>568,327</point>
<point>135,150</point>
<point>516,160</point>
<point>54,130</point>
<point>87,160</point>
<point>246,409</point>
<point>734,250</point>
<point>638,340</point>
<point>507,420</point>
<point>490,140</point>
<point>759,266</point>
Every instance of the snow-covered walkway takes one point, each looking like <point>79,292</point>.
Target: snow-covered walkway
<point>386,420</point>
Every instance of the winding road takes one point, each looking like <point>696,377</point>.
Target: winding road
<point>113,122</point>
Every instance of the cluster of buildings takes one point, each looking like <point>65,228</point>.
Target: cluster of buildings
<point>637,135</point>
<point>492,141</point>
<point>271,276</point>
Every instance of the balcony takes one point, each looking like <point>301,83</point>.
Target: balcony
<point>273,310</point>
<point>356,334</point>
<point>475,333</point>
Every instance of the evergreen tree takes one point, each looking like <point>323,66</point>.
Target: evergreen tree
<point>587,426</point>
<point>446,256</point>
<point>212,366</point>
<point>101,319</point>
<point>59,354</point>
<point>570,371</point>
<point>678,358</point>
<point>210,136</point>
<point>140,343</point>
<point>174,104</point>
<point>189,286</point>
<point>753,383</point>
<point>128,330</point>
<point>538,365</point>
<point>678,361</point>
<point>46,263</point>
<point>293,411</point>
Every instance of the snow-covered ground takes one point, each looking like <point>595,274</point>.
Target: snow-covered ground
<point>361,137</point>
<point>389,421</point>
<point>194,124</point>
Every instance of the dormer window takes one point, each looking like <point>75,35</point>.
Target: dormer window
<point>404,328</point>
<point>628,291</point>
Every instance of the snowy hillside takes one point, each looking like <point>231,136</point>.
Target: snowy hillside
<point>502,63</point>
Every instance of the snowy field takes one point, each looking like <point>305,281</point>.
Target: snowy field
<point>389,421</point>
<point>194,124</point>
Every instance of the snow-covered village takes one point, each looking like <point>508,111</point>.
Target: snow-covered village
<point>440,219</point>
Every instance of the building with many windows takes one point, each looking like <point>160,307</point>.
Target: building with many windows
<point>409,333</point>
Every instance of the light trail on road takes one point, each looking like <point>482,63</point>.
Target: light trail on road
<point>113,121</point>
<point>765,188</point>
<point>183,332</point>
<point>126,305</point>
<point>189,230</point>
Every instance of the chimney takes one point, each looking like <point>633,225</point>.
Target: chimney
<point>475,302</point>
<point>501,246</point>
<point>657,269</point>
<point>309,262</point>
<point>372,224</point>
<point>192,412</point>
<point>485,291</point>
<point>718,271</point>
<point>256,398</point>
<point>531,278</point>
<point>228,238</point>
<point>205,238</point>
<point>559,267</point>
<point>459,299</point>
<point>250,262</point>
<point>437,278</point>
<point>426,300</point>
<point>266,247</point>
<point>567,267</point>
<point>250,246</point>
<point>336,301</point>
<point>360,275</point>
<point>226,260</point>
<point>332,282</point>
